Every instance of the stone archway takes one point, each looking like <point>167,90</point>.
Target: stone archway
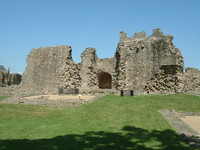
<point>105,80</point>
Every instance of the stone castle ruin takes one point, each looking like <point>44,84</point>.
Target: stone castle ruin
<point>145,64</point>
<point>141,63</point>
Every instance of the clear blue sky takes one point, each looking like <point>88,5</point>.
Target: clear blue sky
<point>28,24</point>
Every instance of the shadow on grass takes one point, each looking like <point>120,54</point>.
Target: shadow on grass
<point>130,138</point>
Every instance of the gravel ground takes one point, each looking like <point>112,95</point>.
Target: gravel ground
<point>193,122</point>
<point>58,101</point>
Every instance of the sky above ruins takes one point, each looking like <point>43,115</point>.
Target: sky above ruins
<point>28,24</point>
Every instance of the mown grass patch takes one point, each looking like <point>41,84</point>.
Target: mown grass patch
<point>111,122</point>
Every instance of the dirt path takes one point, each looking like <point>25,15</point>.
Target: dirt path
<point>58,97</point>
<point>59,101</point>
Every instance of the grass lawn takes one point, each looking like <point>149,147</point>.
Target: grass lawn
<point>110,123</point>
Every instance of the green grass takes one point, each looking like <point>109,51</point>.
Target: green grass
<point>111,122</point>
<point>3,97</point>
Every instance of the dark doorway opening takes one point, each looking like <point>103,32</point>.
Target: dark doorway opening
<point>105,80</point>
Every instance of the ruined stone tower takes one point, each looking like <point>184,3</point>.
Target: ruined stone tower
<point>148,64</point>
<point>141,63</point>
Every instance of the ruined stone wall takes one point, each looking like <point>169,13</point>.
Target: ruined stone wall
<point>44,69</point>
<point>51,68</point>
<point>191,81</point>
<point>70,76</point>
<point>91,69</point>
<point>108,65</point>
<point>145,64</point>
<point>88,71</point>
<point>140,57</point>
<point>7,78</point>
<point>168,79</point>
<point>2,69</point>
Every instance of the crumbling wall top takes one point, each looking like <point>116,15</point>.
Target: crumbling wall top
<point>138,35</point>
<point>157,34</point>
<point>2,69</point>
<point>89,53</point>
<point>192,70</point>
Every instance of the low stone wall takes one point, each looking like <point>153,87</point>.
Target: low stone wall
<point>188,134</point>
<point>9,90</point>
<point>182,113</point>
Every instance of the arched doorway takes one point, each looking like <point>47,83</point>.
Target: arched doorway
<point>105,80</point>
